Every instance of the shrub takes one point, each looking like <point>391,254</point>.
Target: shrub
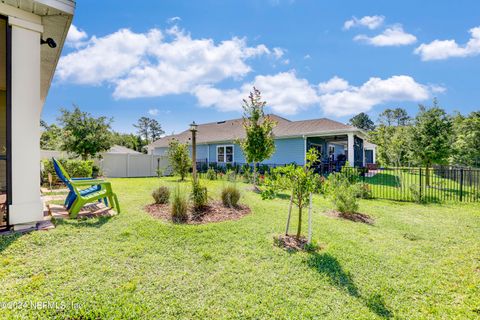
<point>211,174</point>
<point>364,191</point>
<point>231,175</point>
<point>230,195</point>
<point>199,195</point>
<point>96,171</point>
<point>161,195</point>
<point>246,173</point>
<point>342,192</point>
<point>416,194</point>
<point>74,168</point>
<point>179,158</point>
<point>179,206</point>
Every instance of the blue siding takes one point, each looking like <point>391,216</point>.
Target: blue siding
<point>286,151</point>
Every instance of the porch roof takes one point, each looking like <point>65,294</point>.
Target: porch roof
<point>54,17</point>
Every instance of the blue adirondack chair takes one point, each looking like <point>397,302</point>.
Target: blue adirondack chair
<point>71,197</point>
<point>96,191</point>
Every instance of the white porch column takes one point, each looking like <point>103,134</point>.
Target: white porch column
<point>26,208</point>
<point>351,156</point>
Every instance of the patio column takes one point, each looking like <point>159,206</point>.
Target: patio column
<point>351,155</point>
<point>26,206</point>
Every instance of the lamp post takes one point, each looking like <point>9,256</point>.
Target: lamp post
<point>193,129</point>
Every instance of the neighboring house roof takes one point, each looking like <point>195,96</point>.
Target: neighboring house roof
<point>231,130</point>
<point>121,149</point>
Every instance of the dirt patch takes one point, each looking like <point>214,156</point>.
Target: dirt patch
<point>213,212</point>
<point>292,243</point>
<point>355,217</point>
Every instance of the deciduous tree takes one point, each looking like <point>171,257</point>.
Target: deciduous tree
<point>432,132</point>
<point>84,135</point>
<point>258,144</point>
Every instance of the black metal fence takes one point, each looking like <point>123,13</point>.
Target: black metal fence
<point>437,184</point>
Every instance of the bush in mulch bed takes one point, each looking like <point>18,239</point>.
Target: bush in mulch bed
<point>214,211</point>
<point>292,243</point>
<point>161,195</point>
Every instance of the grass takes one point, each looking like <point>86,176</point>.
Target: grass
<point>416,262</point>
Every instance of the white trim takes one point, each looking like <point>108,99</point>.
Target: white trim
<point>224,146</point>
<point>11,11</point>
<point>25,24</point>
<point>61,5</point>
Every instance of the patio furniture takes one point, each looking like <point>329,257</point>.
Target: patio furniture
<point>93,190</point>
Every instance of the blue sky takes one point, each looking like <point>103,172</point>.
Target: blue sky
<point>179,61</point>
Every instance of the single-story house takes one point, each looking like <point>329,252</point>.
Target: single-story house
<point>32,34</point>
<point>336,142</point>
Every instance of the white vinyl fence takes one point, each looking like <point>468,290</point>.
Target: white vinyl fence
<point>115,165</point>
<point>123,165</point>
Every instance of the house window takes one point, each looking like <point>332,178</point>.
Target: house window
<point>225,154</point>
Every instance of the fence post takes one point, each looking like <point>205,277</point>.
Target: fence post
<point>420,184</point>
<point>461,184</point>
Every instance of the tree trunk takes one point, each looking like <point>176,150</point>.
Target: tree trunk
<point>254,175</point>
<point>299,228</point>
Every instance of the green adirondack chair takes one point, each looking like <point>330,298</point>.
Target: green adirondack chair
<point>87,191</point>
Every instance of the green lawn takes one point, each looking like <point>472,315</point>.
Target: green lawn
<point>415,262</point>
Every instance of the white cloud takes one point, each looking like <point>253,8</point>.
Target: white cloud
<point>148,64</point>
<point>444,49</point>
<point>371,22</point>
<point>333,85</point>
<point>287,94</point>
<point>173,20</point>
<point>284,92</point>
<point>393,36</point>
<point>373,92</point>
<point>278,52</point>
<point>75,36</point>
<point>108,58</point>
<point>153,112</point>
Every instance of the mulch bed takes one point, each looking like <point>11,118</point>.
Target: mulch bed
<point>292,243</point>
<point>215,211</point>
<point>355,217</point>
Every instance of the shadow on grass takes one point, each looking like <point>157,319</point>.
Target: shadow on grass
<point>7,239</point>
<point>328,265</point>
<point>384,179</point>
<point>84,223</point>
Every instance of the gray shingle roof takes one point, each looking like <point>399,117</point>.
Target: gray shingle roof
<point>230,130</point>
<point>121,149</point>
